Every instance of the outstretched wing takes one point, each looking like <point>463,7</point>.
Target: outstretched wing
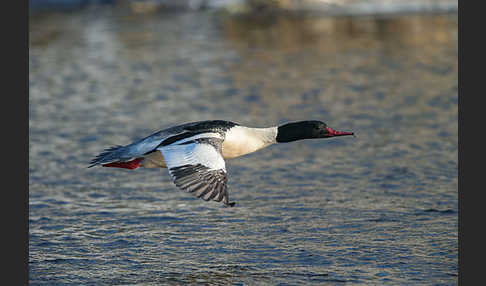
<point>197,166</point>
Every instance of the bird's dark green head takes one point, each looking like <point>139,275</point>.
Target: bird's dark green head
<point>309,129</point>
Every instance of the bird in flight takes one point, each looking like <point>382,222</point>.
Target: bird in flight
<point>194,153</point>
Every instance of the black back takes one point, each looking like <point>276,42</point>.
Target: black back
<point>194,128</point>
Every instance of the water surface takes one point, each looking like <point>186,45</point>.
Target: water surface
<point>380,208</point>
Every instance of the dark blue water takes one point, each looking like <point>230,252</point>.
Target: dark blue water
<point>380,208</point>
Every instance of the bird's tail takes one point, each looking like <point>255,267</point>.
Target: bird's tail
<point>111,154</point>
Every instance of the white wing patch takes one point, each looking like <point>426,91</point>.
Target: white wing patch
<point>192,154</point>
<point>197,166</point>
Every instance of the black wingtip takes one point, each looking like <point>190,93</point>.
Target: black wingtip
<point>232,204</point>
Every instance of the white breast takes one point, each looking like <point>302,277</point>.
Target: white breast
<point>241,140</point>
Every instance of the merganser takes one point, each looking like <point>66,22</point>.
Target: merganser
<point>194,152</point>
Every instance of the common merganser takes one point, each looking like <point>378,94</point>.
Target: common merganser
<point>194,152</point>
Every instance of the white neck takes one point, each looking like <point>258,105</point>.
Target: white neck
<point>242,140</point>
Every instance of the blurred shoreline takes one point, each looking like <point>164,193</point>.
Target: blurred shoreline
<point>321,7</point>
